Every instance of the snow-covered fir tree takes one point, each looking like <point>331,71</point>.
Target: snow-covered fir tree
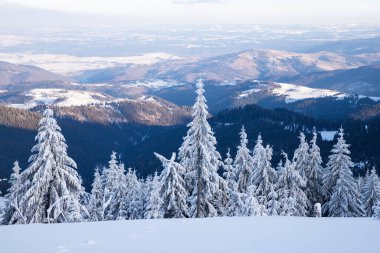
<point>292,198</point>
<point>279,168</point>
<point>301,157</point>
<point>264,176</point>
<point>146,188</point>
<point>253,206</point>
<point>229,170</point>
<point>96,205</point>
<point>53,186</point>
<point>15,173</point>
<point>376,210</point>
<point>314,175</point>
<point>243,163</point>
<point>115,189</point>
<point>201,160</point>
<point>235,205</point>
<point>134,196</point>
<point>360,182</point>
<point>371,193</point>
<point>173,191</point>
<point>222,197</point>
<point>340,187</point>
<point>155,204</point>
<point>273,204</point>
<point>13,213</point>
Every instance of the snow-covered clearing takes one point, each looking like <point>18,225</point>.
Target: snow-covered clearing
<point>296,92</point>
<point>292,92</point>
<point>61,97</point>
<point>328,135</point>
<point>222,235</point>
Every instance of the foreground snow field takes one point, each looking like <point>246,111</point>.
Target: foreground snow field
<point>229,235</point>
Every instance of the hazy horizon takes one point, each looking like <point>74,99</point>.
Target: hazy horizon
<point>184,12</point>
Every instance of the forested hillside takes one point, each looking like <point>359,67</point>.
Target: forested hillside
<point>136,143</point>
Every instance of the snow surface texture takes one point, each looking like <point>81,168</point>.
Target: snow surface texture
<point>222,235</point>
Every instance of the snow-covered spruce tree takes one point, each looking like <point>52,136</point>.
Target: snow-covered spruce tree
<point>253,206</point>
<point>134,196</point>
<point>221,197</point>
<point>273,204</point>
<point>314,175</point>
<point>301,157</point>
<point>201,160</point>
<point>53,186</point>
<point>292,198</point>
<point>12,212</point>
<point>235,202</point>
<point>264,176</point>
<point>154,208</point>
<point>146,187</point>
<point>96,203</point>
<point>173,191</point>
<point>360,181</point>
<point>340,187</point>
<point>115,189</point>
<point>235,205</point>
<point>15,174</point>
<point>371,193</point>
<point>229,170</point>
<point>279,168</point>
<point>243,163</point>
<point>376,210</point>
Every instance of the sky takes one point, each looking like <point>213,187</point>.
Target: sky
<point>204,11</point>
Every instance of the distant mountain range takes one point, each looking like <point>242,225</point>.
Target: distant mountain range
<point>320,70</point>
<point>349,46</point>
<point>363,80</point>
<point>251,64</point>
<point>14,74</point>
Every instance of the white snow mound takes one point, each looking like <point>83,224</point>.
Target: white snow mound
<point>219,235</point>
<point>61,97</point>
<point>294,92</point>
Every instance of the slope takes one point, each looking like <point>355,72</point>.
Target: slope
<point>222,235</point>
<point>363,80</point>
<point>13,74</point>
<point>260,64</point>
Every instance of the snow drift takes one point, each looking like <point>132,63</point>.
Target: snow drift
<point>222,235</point>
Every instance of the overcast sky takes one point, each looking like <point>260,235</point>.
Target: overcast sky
<point>366,12</point>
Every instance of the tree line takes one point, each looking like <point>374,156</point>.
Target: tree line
<point>190,185</point>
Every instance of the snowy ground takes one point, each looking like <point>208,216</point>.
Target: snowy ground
<point>296,92</point>
<point>222,235</point>
<point>61,97</point>
<point>328,135</point>
<point>292,92</point>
